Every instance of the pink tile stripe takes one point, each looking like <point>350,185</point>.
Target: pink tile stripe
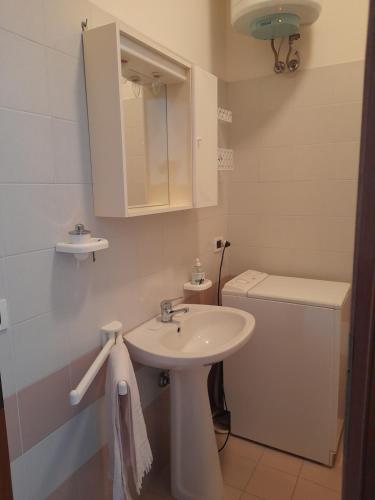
<point>13,429</point>
<point>44,406</point>
<point>90,482</point>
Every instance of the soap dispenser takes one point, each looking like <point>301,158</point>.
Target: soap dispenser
<point>197,275</point>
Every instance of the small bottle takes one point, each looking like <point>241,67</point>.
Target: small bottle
<point>197,275</point>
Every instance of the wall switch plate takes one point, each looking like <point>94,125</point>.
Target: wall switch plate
<point>218,243</point>
<point>4,321</point>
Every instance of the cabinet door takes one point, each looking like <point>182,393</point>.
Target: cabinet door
<point>205,141</point>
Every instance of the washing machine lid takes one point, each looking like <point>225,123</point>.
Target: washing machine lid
<point>329,294</point>
<point>243,283</point>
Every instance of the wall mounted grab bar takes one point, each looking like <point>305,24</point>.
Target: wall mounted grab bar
<point>113,332</point>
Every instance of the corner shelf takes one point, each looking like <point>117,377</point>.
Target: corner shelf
<point>224,155</point>
<point>224,115</point>
<point>82,250</point>
<point>225,159</point>
<point>198,288</point>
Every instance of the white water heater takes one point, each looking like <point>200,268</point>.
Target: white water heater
<point>267,19</point>
<point>272,19</point>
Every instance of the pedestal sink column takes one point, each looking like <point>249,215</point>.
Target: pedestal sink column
<point>195,466</point>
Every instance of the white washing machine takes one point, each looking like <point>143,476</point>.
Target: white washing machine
<point>286,387</point>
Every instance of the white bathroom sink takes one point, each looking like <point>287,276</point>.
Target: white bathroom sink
<point>187,346</point>
<point>204,335</point>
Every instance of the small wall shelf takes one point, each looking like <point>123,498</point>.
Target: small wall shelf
<point>224,115</point>
<point>81,243</point>
<point>82,250</point>
<point>93,246</point>
<point>225,159</point>
<point>198,288</point>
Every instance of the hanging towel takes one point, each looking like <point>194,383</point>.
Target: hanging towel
<point>129,449</point>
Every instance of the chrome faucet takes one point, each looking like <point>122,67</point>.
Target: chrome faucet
<point>167,312</point>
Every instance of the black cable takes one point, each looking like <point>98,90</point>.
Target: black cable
<point>226,244</point>
<point>229,426</point>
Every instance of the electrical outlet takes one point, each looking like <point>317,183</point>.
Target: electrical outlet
<point>3,315</point>
<point>218,243</point>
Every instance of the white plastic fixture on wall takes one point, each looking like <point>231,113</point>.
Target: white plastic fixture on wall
<point>225,159</point>
<point>81,243</point>
<point>82,250</point>
<point>224,115</point>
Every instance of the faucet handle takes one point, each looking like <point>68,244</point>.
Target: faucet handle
<point>168,303</point>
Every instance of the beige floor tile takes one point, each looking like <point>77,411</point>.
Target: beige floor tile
<point>231,493</point>
<point>244,448</point>
<point>320,474</point>
<point>281,461</point>
<point>236,470</point>
<point>305,490</point>
<point>271,484</point>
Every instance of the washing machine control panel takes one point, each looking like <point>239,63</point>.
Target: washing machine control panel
<point>244,282</point>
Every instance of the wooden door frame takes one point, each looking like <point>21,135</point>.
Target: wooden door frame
<point>359,449</point>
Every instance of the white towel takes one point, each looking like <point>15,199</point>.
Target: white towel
<point>129,448</point>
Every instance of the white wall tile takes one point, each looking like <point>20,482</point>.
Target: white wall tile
<point>2,233</point>
<point>66,86</point>
<point>28,283</point>
<point>7,364</point>
<point>39,350</point>
<point>277,164</point>
<point>42,214</point>
<point>72,151</point>
<point>332,266</point>
<point>23,82</point>
<point>40,470</point>
<point>6,352</point>
<point>293,192</point>
<point>244,198</point>
<point>313,124</point>
<point>26,153</point>
<point>348,81</point>
<point>24,17</point>
<point>149,244</point>
<point>247,163</point>
<point>63,24</point>
<point>337,160</point>
<point>269,260</point>
<point>339,197</point>
<point>32,225</point>
<point>333,234</point>
<point>74,204</point>
<point>2,278</point>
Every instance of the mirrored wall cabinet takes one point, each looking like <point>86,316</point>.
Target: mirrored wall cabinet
<point>153,126</point>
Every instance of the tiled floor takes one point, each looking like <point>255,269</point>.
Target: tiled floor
<point>254,472</point>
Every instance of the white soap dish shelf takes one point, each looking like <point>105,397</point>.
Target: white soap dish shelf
<point>82,244</point>
<point>198,288</point>
<point>92,246</point>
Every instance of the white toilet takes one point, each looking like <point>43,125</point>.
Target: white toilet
<point>286,387</point>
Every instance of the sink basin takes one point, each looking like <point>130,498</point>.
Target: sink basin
<point>187,346</point>
<point>205,335</point>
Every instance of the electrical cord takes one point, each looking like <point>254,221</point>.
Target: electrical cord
<point>226,244</point>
